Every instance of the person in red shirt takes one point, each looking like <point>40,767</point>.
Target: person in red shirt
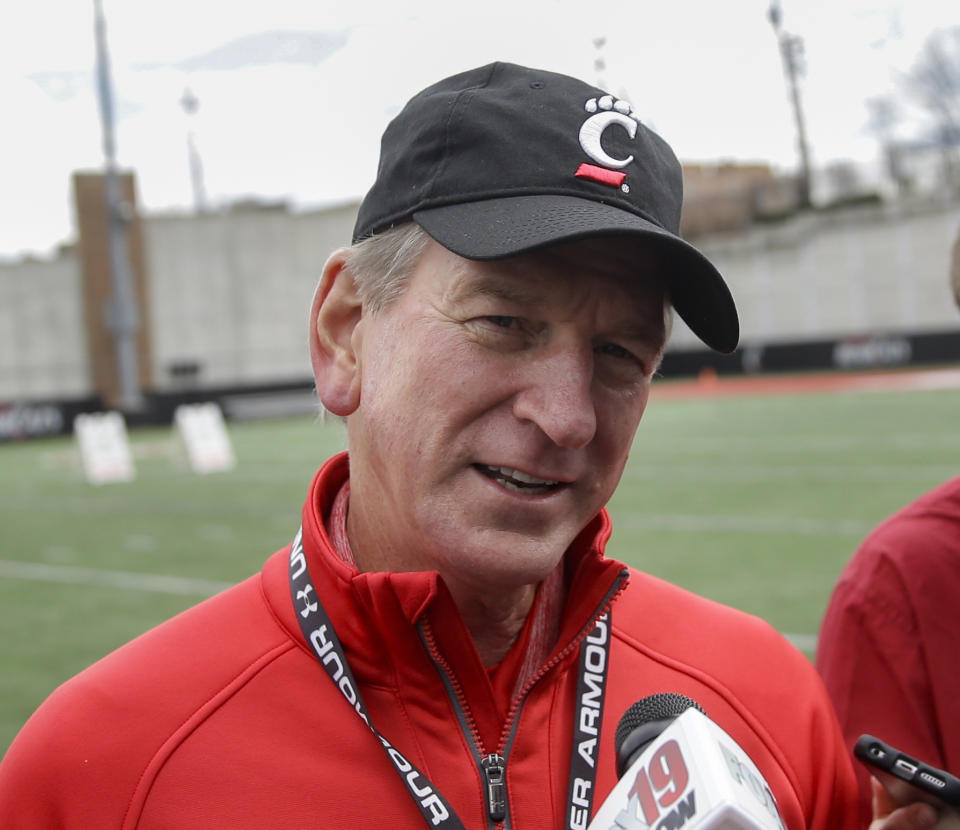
<point>414,656</point>
<point>889,646</point>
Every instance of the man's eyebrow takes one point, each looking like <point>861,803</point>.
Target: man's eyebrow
<point>648,328</point>
<point>497,287</point>
<point>649,331</point>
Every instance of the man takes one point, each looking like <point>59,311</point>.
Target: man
<point>413,658</point>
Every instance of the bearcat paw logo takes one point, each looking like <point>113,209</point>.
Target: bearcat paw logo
<point>607,103</point>
<point>602,113</point>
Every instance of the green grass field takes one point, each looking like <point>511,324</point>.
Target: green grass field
<point>756,502</point>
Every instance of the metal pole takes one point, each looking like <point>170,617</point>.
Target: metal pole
<point>791,48</point>
<point>599,64</point>
<point>191,104</point>
<point>122,317</point>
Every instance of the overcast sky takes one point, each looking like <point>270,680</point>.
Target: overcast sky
<point>293,94</point>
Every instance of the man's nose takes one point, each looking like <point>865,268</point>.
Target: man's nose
<point>557,396</point>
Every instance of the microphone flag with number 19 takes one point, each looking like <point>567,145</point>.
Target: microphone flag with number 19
<point>694,776</point>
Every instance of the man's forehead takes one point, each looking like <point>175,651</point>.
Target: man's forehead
<point>635,305</point>
<point>528,278</point>
<point>500,280</point>
<point>627,260</point>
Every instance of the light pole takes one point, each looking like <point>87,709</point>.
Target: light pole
<point>791,51</point>
<point>599,63</point>
<point>122,317</point>
<point>190,104</point>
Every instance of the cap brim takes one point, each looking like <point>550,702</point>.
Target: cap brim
<point>497,228</point>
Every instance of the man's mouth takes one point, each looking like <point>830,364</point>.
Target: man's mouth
<point>517,481</point>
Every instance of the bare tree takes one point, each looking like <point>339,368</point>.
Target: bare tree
<point>935,81</point>
<point>884,116</point>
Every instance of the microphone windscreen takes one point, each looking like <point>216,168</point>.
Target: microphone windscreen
<point>645,720</point>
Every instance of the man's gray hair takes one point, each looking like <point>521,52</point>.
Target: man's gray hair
<point>381,264</point>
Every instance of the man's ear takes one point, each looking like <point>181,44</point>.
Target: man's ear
<point>334,316</point>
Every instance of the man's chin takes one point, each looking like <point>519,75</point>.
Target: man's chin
<point>511,558</point>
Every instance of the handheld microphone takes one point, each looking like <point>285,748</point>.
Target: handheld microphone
<point>678,769</point>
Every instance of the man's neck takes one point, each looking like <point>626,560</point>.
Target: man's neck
<point>494,618</point>
<point>494,624</point>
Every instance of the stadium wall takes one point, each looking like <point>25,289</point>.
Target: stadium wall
<point>229,293</point>
<point>870,271</point>
<point>43,349</point>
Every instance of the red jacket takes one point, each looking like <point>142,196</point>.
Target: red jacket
<point>223,717</point>
<point>890,640</point>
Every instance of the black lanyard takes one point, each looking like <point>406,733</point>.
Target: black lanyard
<point>319,632</point>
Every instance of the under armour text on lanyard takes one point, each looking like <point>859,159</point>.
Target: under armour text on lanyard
<point>318,630</point>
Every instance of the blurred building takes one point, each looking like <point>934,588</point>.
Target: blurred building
<point>224,296</point>
<point>720,198</point>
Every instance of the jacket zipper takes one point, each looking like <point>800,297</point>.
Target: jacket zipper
<point>493,767</point>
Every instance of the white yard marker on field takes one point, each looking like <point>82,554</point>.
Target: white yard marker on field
<point>204,436</point>
<point>104,447</point>
<point>125,580</point>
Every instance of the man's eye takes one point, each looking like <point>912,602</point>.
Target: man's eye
<point>502,321</point>
<point>614,350</point>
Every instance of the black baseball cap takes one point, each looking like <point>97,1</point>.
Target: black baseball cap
<point>502,160</point>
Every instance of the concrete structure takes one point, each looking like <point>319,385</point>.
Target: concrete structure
<point>723,198</point>
<point>874,270</point>
<point>43,345</point>
<point>228,293</point>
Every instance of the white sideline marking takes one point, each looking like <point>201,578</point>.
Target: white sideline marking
<point>125,580</point>
<point>807,643</point>
<point>128,581</point>
<point>141,542</point>
<point>759,473</point>
<point>855,528</point>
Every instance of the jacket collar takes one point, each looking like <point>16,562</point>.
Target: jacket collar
<point>376,614</point>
